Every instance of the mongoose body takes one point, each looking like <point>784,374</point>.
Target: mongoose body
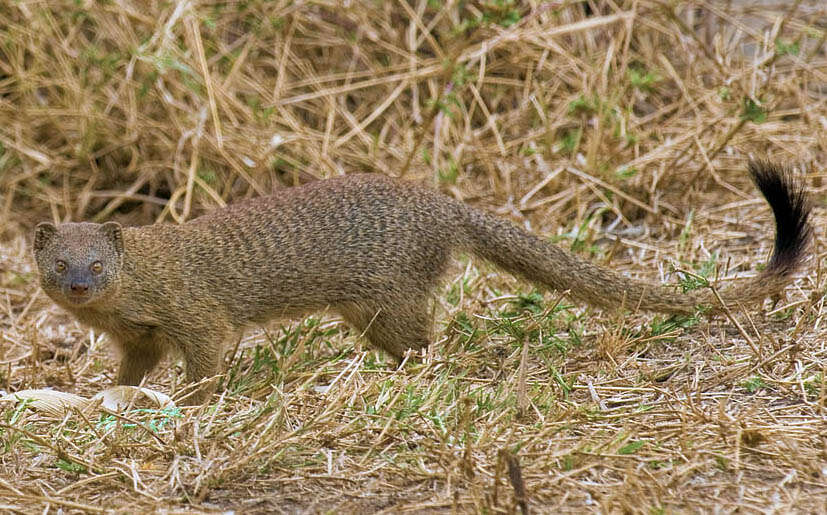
<point>367,246</point>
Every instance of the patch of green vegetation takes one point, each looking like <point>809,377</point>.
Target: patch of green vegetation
<point>558,345</point>
<point>632,447</point>
<point>208,22</point>
<point>260,113</point>
<point>527,318</point>
<point>532,302</point>
<point>784,314</point>
<point>207,174</point>
<point>463,324</point>
<point>267,363</point>
<point>449,173</point>
<point>625,173</point>
<point>461,287</point>
<point>13,416</point>
<point>700,279</point>
<point>753,384</point>
<point>426,156</point>
<point>15,278</point>
<point>98,365</point>
<point>683,238</point>
<point>570,141</point>
<point>460,75</point>
<point>412,400</point>
<point>643,79</point>
<point>280,164</point>
<point>815,385</point>
<point>146,82</point>
<point>528,150</point>
<point>753,111</point>
<point>277,23</point>
<point>8,161</point>
<point>446,103</point>
<point>579,236</point>
<point>375,361</point>
<point>785,48</point>
<point>566,385</point>
<point>568,463</point>
<point>661,326</point>
<point>585,105</point>
<point>507,13</point>
<point>612,116</point>
<point>69,466</point>
<point>484,401</point>
<point>504,13</point>
<point>439,421</point>
<point>166,62</point>
<point>103,61</point>
<point>154,419</point>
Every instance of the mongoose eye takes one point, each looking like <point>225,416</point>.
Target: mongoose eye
<point>60,266</point>
<point>96,267</point>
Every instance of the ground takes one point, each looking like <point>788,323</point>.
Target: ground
<point>619,130</point>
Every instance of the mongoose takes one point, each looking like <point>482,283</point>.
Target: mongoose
<point>370,247</point>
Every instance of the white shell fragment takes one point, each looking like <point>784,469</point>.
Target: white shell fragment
<point>52,402</point>
<point>117,398</point>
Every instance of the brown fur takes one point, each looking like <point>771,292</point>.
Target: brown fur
<point>370,247</point>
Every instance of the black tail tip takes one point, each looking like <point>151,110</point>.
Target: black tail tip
<point>791,208</point>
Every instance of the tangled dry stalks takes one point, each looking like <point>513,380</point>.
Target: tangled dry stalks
<point>619,128</point>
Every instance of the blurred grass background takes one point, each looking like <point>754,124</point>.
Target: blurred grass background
<point>157,110</point>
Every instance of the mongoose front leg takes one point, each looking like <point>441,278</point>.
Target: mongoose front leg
<point>138,357</point>
<point>202,356</point>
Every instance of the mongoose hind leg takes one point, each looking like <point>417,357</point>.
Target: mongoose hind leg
<point>138,357</point>
<point>394,325</point>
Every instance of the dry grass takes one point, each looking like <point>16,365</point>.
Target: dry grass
<point>620,126</point>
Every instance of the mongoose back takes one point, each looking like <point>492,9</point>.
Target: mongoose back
<point>368,246</point>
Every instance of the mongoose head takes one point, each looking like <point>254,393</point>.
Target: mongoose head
<point>79,263</point>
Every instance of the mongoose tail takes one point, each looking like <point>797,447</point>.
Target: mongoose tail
<point>541,262</point>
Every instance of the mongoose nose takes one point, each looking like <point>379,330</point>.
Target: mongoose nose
<point>79,288</point>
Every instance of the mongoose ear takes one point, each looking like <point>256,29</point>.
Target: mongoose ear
<point>43,233</point>
<point>114,232</point>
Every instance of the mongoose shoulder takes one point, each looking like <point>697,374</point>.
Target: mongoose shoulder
<point>367,246</point>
